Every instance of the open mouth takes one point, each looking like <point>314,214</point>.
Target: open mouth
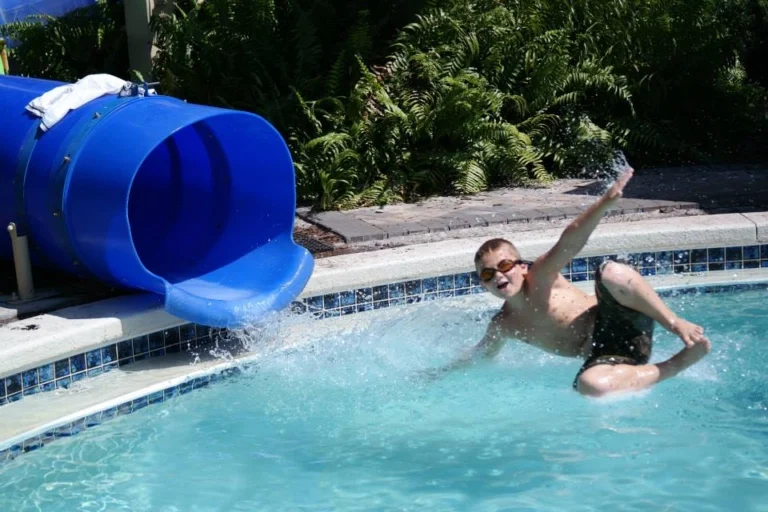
<point>502,286</point>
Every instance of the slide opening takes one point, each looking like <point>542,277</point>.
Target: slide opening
<point>207,197</point>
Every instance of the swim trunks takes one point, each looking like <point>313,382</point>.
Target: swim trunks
<point>621,335</point>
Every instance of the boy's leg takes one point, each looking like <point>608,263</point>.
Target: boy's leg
<point>604,379</point>
<point>630,290</point>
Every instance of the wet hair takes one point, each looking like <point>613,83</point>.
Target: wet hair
<point>492,245</point>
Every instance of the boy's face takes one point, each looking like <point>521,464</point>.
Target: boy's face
<point>501,272</point>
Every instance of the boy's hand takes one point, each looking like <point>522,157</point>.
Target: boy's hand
<point>617,190</point>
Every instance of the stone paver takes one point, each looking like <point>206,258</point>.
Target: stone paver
<point>662,189</point>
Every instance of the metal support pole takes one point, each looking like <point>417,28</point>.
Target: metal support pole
<point>22,263</point>
<point>140,37</point>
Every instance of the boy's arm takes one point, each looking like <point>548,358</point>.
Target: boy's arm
<point>490,345</point>
<point>575,236</point>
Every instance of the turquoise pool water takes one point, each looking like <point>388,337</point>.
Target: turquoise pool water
<point>339,424</point>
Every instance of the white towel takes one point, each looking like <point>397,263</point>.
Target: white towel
<point>56,103</point>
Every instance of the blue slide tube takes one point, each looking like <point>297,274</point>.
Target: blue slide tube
<point>193,203</point>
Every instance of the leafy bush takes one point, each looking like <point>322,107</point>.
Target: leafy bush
<point>473,97</point>
<point>87,40</point>
<point>259,55</point>
<point>485,93</point>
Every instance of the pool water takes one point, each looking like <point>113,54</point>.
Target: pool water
<point>342,424</point>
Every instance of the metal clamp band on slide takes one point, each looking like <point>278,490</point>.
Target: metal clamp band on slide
<point>25,155</point>
<point>60,164</point>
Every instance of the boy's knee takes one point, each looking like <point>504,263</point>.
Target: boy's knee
<point>594,382</point>
<point>614,273</point>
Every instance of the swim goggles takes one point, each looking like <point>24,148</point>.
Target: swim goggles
<point>504,266</point>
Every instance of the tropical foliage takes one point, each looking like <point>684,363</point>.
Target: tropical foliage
<point>85,41</point>
<point>394,100</point>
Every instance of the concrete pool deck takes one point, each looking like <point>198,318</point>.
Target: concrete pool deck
<point>652,193</point>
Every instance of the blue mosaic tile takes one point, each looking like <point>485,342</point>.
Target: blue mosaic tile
<point>699,256</point>
<point>462,291</point>
<point>698,267</point>
<point>763,263</point>
<point>172,336</point>
<point>733,254</point>
<point>46,373</point>
<point>29,378</point>
<point>13,384</point>
<point>594,262</point>
<point>462,280</point>
<point>429,285</point>
<point>2,389</point>
<point>680,269</point>
<point>140,345</point>
<point>62,368</point>
<point>380,293</point>
<point>413,288</point>
<point>579,265</point>
<point>565,270</point>
<point>347,298</point>
<point>315,303</point>
<point>474,279</point>
<point>76,377</point>
<point>716,255</point>
<point>733,265</point>
<point>108,354</point>
<point>331,313</point>
<point>397,302</point>
<point>413,299</point>
<point>682,257</point>
<point>751,252</point>
<point>63,383</point>
<point>348,310</point>
<point>713,267</point>
<point>31,390</point>
<point>156,340</point>
<point>647,259</point>
<point>664,258</point>
<point>764,252</point>
<point>396,291</point>
<point>752,264</point>
<point>446,294</point>
<point>139,403</point>
<point>48,386</point>
<point>93,358</point>
<point>430,296</point>
<point>186,332</point>
<point>364,296</point>
<point>125,349</point>
<point>445,283</point>
<point>648,271</point>
<point>364,307</point>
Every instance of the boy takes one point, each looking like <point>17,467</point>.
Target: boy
<point>612,330</point>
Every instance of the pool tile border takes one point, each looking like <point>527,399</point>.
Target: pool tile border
<point>79,425</point>
<point>192,337</point>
